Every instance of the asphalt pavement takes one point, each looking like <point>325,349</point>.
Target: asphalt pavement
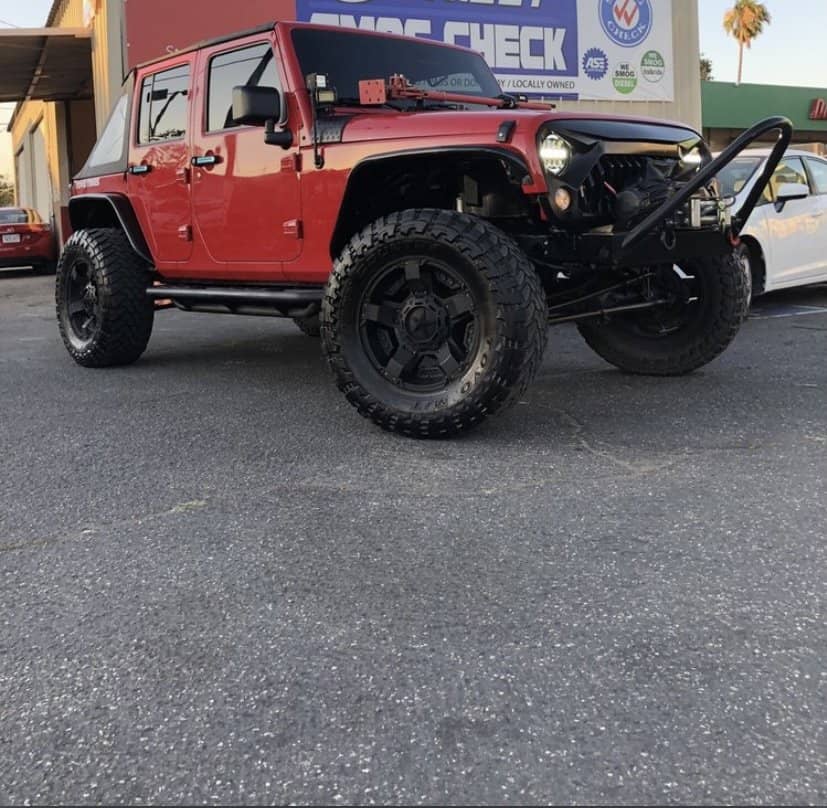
<point>218,584</point>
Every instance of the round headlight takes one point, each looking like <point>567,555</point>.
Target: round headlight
<point>555,154</point>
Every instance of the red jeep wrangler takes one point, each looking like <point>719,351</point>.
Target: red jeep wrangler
<point>339,178</point>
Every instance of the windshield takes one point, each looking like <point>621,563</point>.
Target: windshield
<point>350,57</point>
<point>737,174</point>
<point>18,216</point>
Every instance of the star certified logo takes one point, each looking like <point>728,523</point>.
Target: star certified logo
<point>626,22</point>
<point>595,64</point>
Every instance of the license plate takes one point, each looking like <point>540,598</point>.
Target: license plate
<point>14,238</point>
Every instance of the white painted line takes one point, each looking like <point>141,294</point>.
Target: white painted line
<point>811,310</point>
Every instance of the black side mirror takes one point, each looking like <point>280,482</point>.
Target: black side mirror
<point>255,106</point>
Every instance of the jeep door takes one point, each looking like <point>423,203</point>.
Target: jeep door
<point>246,194</point>
<point>158,178</point>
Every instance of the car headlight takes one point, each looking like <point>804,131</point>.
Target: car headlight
<point>555,154</point>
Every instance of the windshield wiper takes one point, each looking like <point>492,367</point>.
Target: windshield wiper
<point>356,102</point>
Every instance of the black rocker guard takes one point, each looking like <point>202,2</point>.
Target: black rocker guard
<point>655,241</point>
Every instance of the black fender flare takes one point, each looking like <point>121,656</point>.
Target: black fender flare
<point>516,163</point>
<point>104,210</point>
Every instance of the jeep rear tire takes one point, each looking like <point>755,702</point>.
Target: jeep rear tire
<point>103,311</point>
<point>680,338</point>
<point>433,320</point>
<point>310,326</point>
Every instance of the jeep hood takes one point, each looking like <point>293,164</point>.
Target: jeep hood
<point>483,125</point>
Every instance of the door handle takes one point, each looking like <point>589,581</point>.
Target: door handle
<point>205,160</point>
<point>138,170</point>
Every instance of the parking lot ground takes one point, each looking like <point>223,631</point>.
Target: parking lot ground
<point>221,585</point>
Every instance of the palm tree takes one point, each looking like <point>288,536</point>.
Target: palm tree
<point>744,22</point>
<point>706,68</point>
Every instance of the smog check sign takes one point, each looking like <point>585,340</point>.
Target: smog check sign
<point>569,49</point>
<point>626,22</point>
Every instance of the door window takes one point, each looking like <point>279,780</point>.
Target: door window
<point>818,171</point>
<point>790,170</point>
<point>163,112</point>
<point>247,67</point>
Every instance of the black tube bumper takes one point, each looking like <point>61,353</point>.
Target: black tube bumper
<point>658,218</point>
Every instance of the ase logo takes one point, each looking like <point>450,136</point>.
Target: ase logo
<point>595,63</point>
<point>626,22</point>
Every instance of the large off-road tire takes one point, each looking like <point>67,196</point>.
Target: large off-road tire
<point>310,326</point>
<point>433,320</point>
<point>683,337</point>
<point>103,311</point>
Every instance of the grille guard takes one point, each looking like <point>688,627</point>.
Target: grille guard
<point>710,171</point>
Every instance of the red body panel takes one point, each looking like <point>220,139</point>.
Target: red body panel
<point>266,214</point>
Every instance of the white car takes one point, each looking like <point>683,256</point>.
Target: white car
<point>785,240</point>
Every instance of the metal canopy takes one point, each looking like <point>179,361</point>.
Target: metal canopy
<point>45,64</point>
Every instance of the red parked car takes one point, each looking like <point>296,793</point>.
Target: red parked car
<point>26,240</point>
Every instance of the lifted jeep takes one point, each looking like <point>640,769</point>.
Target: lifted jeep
<point>428,235</point>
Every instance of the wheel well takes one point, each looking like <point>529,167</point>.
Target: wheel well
<point>101,210</point>
<point>480,183</point>
<point>758,265</point>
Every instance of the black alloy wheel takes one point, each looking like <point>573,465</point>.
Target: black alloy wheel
<point>82,304</point>
<point>420,324</point>
<point>432,321</point>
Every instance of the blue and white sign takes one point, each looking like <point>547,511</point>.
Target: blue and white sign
<point>626,22</point>
<point>543,48</point>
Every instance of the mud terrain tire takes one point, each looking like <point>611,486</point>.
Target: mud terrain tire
<point>723,287</point>
<point>103,312</point>
<point>406,282</point>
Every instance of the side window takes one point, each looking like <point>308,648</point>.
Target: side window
<point>164,109</point>
<point>251,67</point>
<point>790,169</point>
<point>110,150</point>
<point>818,171</point>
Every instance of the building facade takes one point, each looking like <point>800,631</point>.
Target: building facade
<point>629,57</point>
<point>730,109</point>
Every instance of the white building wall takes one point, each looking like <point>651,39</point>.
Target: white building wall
<point>687,54</point>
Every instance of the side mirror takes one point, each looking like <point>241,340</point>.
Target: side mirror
<point>255,106</point>
<point>788,191</point>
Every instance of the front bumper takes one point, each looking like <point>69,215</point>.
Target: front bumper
<point>663,237</point>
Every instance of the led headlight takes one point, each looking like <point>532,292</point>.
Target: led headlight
<point>555,154</point>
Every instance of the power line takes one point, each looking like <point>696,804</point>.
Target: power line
<point>10,24</point>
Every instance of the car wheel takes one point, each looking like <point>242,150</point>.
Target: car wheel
<point>433,320</point>
<point>311,326</point>
<point>707,302</point>
<point>103,311</point>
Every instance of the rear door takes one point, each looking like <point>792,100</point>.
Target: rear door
<point>159,171</point>
<point>246,194</point>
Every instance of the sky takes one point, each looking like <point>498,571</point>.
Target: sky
<point>791,51</point>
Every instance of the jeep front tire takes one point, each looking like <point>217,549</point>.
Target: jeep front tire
<point>103,311</point>
<point>433,320</point>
